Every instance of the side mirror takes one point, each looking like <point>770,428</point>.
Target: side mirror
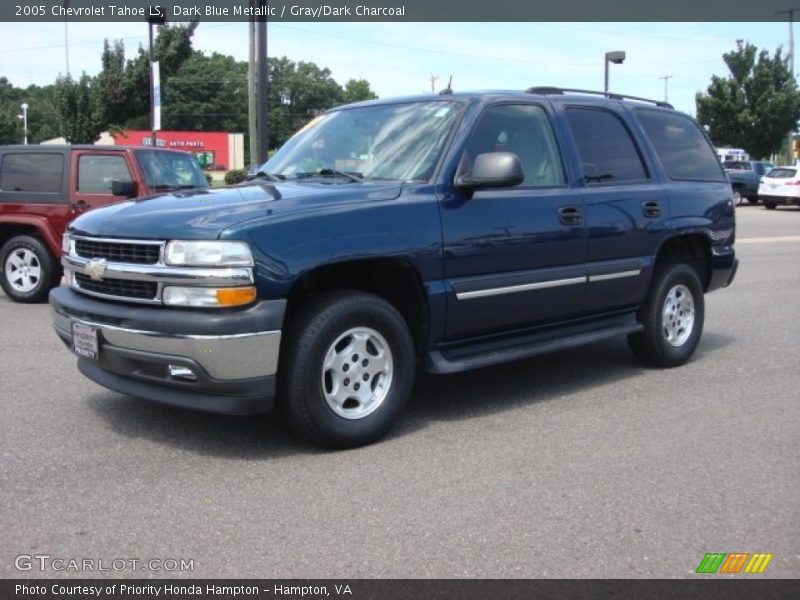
<point>492,170</point>
<point>123,188</point>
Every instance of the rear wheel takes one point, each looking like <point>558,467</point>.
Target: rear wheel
<point>347,370</point>
<point>769,205</point>
<point>672,315</point>
<point>29,270</point>
<point>752,199</point>
<point>737,196</point>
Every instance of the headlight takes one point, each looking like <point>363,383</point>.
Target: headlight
<point>208,254</point>
<point>208,297</point>
<point>65,245</point>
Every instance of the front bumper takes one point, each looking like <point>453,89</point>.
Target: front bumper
<point>220,361</point>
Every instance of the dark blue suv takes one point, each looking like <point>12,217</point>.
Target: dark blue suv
<point>455,230</point>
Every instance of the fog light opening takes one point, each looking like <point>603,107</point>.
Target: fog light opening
<point>182,373</point>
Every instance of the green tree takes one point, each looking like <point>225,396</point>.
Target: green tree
<point>356,90</point>
<point>207,93</point>
<point>297,93</point>
<point>10,129</point>
<point>77,105</point>
<point>111,85</point>
<point>124,84</point>
<point>754,107</point>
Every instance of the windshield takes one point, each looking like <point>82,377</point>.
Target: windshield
<point>385,141</point>
<point>170,170</point>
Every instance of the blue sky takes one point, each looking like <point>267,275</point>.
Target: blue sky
<point>399,58</point>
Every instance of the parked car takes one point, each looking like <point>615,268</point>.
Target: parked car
<point>745,176</point>
<point>726,154</point>
<point>780,186</point>
<point>42,188</point>
<point>456,230</point>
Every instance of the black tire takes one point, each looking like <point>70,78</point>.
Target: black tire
<point>303,381</point>
<point>28,288</point>
<point>651,345</point>
<point>752,199</point>
<point>769,205</point>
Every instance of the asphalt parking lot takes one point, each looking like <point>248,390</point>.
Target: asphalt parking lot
<point>577,464</point>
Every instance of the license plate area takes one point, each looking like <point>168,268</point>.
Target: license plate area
<point>85,341</point>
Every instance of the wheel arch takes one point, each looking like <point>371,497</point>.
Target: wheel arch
<point>395,280</point>
<point>693,248</point>
<point>33,226</point>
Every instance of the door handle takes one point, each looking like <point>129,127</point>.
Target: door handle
<point>570,215</point>
<point>81,205</point>
<point>651,208</point>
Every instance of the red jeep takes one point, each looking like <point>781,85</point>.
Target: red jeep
<point>42,188</point>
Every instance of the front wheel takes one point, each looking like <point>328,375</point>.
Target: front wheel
<point>347,369</point>
<point>769,205</point>
<point>29,270</point>
<point>672,315</point>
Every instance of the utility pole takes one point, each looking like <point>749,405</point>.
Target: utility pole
<point>252,129</point>
<point>433,79</point>
<point>66,37</point>
<point>790,14</point>
<point>261,51</point>
<point>666,79</point>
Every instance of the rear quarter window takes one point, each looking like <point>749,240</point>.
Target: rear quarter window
<point>681,146</point>
<point>782,173</point>
<point>31,172</point>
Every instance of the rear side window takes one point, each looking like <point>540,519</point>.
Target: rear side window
<point>681,146</point>
<point>97,172</point>
<point>782,173</point>
<point>608,153</point>
<point>31,172</point>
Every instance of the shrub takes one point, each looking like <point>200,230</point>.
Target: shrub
<point>235,176</point>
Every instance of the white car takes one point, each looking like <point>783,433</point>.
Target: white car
<point>781,185</point>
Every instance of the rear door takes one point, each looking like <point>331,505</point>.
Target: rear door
<point>624,203</point>
<point>93,174</point>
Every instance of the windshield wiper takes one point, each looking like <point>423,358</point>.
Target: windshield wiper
<point>351,175</point>
<point>265,175</point>
<point>170,187</point>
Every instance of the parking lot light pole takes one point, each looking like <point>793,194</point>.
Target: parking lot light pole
<point>157,18</point>
<point>615,56</point>
<point>24,118</point>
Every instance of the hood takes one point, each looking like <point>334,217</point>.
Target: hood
<point>204,214</point>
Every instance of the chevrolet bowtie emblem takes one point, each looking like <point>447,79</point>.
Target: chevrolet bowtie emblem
<point>96,268</point>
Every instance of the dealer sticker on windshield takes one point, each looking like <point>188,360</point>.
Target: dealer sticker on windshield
<point>84,340</point>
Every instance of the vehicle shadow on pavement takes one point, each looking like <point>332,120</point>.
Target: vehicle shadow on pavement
<point>469,395</point>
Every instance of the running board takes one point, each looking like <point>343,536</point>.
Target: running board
<point>484,354</point>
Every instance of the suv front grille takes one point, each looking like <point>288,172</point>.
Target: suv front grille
<point>121,288</point>
<point>141,254</point>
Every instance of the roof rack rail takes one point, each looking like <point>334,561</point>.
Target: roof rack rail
<point>612,95</point>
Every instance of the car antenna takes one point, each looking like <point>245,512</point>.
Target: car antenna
<point>449,89</point>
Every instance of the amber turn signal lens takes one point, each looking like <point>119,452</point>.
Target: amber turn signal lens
<point>236,296</point>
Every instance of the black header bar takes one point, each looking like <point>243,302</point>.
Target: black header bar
<point>395,10</point>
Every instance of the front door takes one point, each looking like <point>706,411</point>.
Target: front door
<point>514,257</point>
<point>93,175</point>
